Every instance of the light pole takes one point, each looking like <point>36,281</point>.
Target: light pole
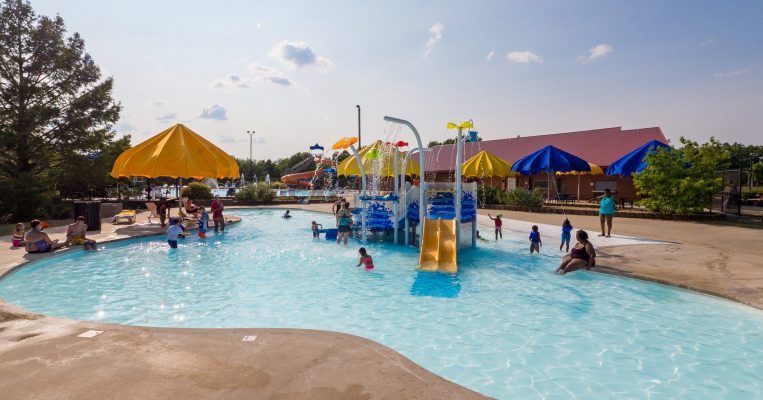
<point>251,134</point>
<point>360,145</point>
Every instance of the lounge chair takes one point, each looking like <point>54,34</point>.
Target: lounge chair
<point>124,216</point>
<point>152,211</point>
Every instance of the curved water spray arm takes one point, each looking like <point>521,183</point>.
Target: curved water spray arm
<point>362,170</point>
<point>422,206</point>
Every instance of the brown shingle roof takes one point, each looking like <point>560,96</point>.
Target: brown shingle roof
<point>597,146</point>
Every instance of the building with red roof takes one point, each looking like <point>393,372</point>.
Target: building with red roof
<point>598,146</point>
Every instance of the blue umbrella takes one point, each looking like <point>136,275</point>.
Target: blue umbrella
<point>633,162</point>
<point>550,159</point>
<point>316,147</point>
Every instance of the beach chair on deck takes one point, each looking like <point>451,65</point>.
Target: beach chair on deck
<point>124,216</point>
<point>152,211</point>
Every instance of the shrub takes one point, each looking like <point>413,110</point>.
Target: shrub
<point>197,190</point>
<point>278,185</point>
<point>524,198</point>
<point>488,195</point>
<point>259,192</point>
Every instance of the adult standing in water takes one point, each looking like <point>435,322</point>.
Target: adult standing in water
<point>336,208</point>
<point>217,207</point>
<point>606,211</point>
<point>343,224</point>
<point>581,256</point>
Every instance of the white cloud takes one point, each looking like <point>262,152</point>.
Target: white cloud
<point>215,112</point>
<point>435,34</point>
<point>490,55</point>
<point>598,51</point>
<point>167,117</point>
<point>262,72</point>
<point>157,103</point>
<point>299,55</point>
<point>728,74</point>
<point>709,43</point>
<point>258,25</point>
<point>523,57</point>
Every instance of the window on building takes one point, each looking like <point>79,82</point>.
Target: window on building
<point>600,186</point>
<point>540,184</point>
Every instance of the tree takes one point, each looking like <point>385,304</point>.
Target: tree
<point>683,180</point>
<point>447,141</point>
<point>72,183</point>
<point>339,157</point>
<point>54,107</point>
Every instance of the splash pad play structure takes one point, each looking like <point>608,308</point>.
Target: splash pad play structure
<point>439,217</point>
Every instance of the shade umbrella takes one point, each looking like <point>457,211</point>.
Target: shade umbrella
<point>595,170</point>
<point>370,154</point>
<point>487,164</point>
<point>176,152</point>
<point>633,162</point>
<point>550,160</point>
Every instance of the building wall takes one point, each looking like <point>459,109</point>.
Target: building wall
<point>590,186</point>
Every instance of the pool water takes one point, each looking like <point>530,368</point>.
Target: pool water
<point>505,326</point>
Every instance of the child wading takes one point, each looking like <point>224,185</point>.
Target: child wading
<point>498,225</point>
<point>173,232</point>
<point>566,234</point>
<point>535,242</point>
<point>316,229</point>
<point>203,223</point>
<point>365,259</point>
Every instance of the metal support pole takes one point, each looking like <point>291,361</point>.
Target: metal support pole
<point>396,192</point>
<point>457,195</point>
<point>404,200</point>
<point>422,203</point>
<point>360,146</point>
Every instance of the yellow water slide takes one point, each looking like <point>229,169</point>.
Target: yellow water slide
<point>439,246</point>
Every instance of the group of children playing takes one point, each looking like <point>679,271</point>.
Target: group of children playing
<point>535,241</point>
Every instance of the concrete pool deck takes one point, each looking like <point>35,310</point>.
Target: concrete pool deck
<point>44,357</point>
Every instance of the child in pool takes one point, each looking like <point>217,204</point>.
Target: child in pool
<point>365,259</point>
<point>535,242</point>
<point>566,234</point>
<point>203,223</point>
<point>286,215</point>
<point>174,232</point>
<point>315,226</point>
<point>18,235</point>
<point>498,225</point>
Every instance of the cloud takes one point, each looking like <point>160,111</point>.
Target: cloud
<point>709,43</point>
<point>232,81</point>
<point>729,74</point>
<point>299,55</point>
<point>157,103</point>
<point>167,117</point>
<point>490,55</point>
<point>124,127</point>
<point>258,25</point>
<point>598,51</point>
<point>523,57</point>
<point>435,34</point>
<point>215,112</point>
<point>262,72</point>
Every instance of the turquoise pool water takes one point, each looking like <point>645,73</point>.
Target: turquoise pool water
<point>505,326</point>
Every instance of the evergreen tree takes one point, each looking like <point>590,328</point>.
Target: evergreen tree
<point>54,107</point>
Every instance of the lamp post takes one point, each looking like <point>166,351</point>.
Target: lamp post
<point>360,145</point>
<point>251,135</point>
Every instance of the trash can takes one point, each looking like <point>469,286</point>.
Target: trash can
<point>91,210</point>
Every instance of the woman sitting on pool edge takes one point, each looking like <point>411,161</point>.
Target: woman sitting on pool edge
<point>581,256</point>
<point>38,241</point>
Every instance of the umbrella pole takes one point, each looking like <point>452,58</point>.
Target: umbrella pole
<point>578,186</point>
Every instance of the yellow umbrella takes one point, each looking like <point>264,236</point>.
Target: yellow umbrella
<point>486,164</point>
<point>370,154</point>
<point>595,170</point>
<point>177,152</point>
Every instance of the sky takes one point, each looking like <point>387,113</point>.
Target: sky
<point>293,72</point>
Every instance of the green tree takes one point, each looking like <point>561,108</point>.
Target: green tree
<point>683,180</point>
<point>339,157</point>
<point>73,183</point>
<point>54,107</point>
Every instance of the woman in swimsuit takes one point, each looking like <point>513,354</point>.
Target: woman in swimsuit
<point>38,241</point>
<point>581,256</point>
<point>344,224</point>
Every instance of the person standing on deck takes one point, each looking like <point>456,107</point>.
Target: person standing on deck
<point>606,211</point>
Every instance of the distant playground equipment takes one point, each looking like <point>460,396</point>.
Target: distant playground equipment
<point>440,215</point>
<point>323,177</point>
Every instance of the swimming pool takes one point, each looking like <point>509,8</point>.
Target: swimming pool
<point>505,326</point>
